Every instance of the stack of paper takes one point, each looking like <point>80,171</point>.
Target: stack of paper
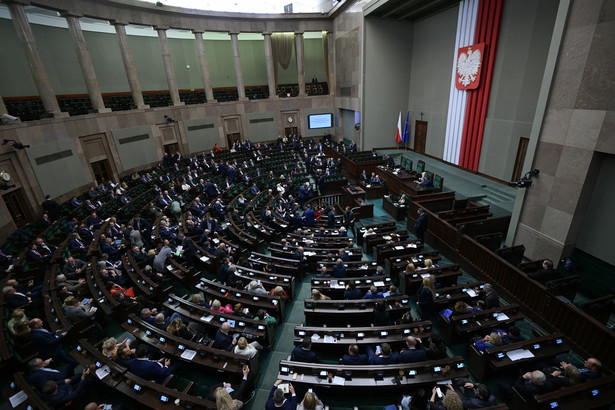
<point>519,354</point>
<point>188,354</point>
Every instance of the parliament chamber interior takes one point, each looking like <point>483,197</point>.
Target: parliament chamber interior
<point>328,204</point>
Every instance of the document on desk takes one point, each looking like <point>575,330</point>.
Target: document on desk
<point>502,316</point>
<point>330,339</point>
<point>399,248</point>
<point>169,267</point>
<point>424,275</point>
<point>471,293</point>
<point>188,354</point>
<point>315,336</point>
<point>207,318</point>
<point>103,372</point>
<point>519,354</point>
<point>18,398</point>
<point>379,283</point>
<point>339,380</point>
<point>204,258</point>
<point>309,253</point>
<point>412,245</point>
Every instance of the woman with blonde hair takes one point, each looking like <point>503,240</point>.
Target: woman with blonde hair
<point>428,263</point>
<point>225,402</point>
<point>217,306</point>
<point>244,348</point>
<point>310,402</point>
<point>17,317</point>
<point>410,269</point>
<point>110,348</point>
<point>426,298</point>
<point>490,341</point>
<point>316,295</point>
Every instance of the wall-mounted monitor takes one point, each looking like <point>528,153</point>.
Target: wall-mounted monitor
<point>316,121</point>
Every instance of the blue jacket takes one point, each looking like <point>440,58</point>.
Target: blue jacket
<point>149,370</point>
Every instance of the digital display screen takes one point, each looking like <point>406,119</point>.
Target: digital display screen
<point>316,121</point>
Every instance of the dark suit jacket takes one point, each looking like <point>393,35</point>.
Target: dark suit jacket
<point>300,354</point>
<point>38,377</point>
<point>223,341</point>
<point>339,271</point>
<point>491,300</point>
<point>545,275</point>
<point>47,344</point>
<point>355,359</point>
<point>148,370</point>
<point>66,393</point>
<point>412,356</point>
<point>528,389</point>
<point>14,300</point>
<point>421,224</point>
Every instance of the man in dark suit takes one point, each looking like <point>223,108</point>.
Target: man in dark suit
<point>300,256</point>
<point>15,299</point>
<point>303,352</point>
<point>590,369</point>
<point>546,274</point>
<point>224,340</point>
<point>488,298</point>
<point>385,357</point>
<point>478,399</point>
<point>40,372</point>
<point>188,249</point>
<point>339,269</point>
<point>74,267</point>
<point>241,392</point>
<point>348,218</point>
<point>420,226</point>
<point>49,345</point>
<point>412,354</point>
<point>148,369</point>
<point>331,219</point>
<point>62,394</point>
<point>353,357</point>
<point>532,383</point>
<point>309,216</point>
<point>352,292</point>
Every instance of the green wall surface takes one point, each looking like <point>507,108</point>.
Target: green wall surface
<point>107,60</point>
<point>56,177</point>
<point>60,59</point>
<point>200,134</point>
<point>148,62</point>
<point>262,130</point>
<point>253,62</point>
<point>220,60</point>
<point>136,154</point>
<point>184,54</point>
<point>14,70</point>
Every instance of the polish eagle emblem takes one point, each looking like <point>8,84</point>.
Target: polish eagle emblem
<point>469,62</point>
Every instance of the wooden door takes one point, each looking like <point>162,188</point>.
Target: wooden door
<point>17,207</point>
<point>101,170</point>
<point>420,136</point>
<point>290,130</point>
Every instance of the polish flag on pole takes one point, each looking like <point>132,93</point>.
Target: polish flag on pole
<point>398,134</point>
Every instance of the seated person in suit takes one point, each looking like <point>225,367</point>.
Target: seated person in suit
<point>339,269</point>
<point>474,396</point>
<point>412,354</point>
<point>323,274</point>
<point>590,370</point>
<point>381,316</point>
<point>352,292</point>
<point>354,357</point>
<point>363,177</point>
<point>546,274</point>
<point>488,298</point>
<point>382,355</point>
<point>372,293</point>
<point>15,299</point>
<point>40,372</point>
<point>61,394</point>
<point>224,341</point>
<point>532,383</point>
<point>277,400</point>
<point>236,393</point>
<point>148,369</point>
<point>303,352</point>
<point>76,312</point>
<point>569,377</point>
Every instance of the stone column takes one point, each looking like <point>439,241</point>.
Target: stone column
<point>168,65</point>
<point>331,68</point>
<point>129,65</point>
<point>241,91</point>
<point>85,62</point>
<point>39,74</point>
<point>200,48</point>
<point>270,63</point>
<point>300,69</point>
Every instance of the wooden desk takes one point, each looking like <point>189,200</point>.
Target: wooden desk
<point>392,250</point>
<point>413,189</point>
<point>363,284</point>
<point>373,378</point>
<point>394,335</point>
<point>371,241</point>
<point>351,312</point>
<point>373,191</point>
<point>394,179</point>
<point>390,207</point>
<point>477,323</point>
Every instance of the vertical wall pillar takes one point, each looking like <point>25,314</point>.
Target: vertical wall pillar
<point>39,74</point>
<point>85,62</point>
<point>270,62</point>
<point>168,65</point>
<point>129,65</point>
<point>300,68</point>
<point>331,68</point>
<point>2,106</point>
<point>200,48</point>
<point>241,91</point>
